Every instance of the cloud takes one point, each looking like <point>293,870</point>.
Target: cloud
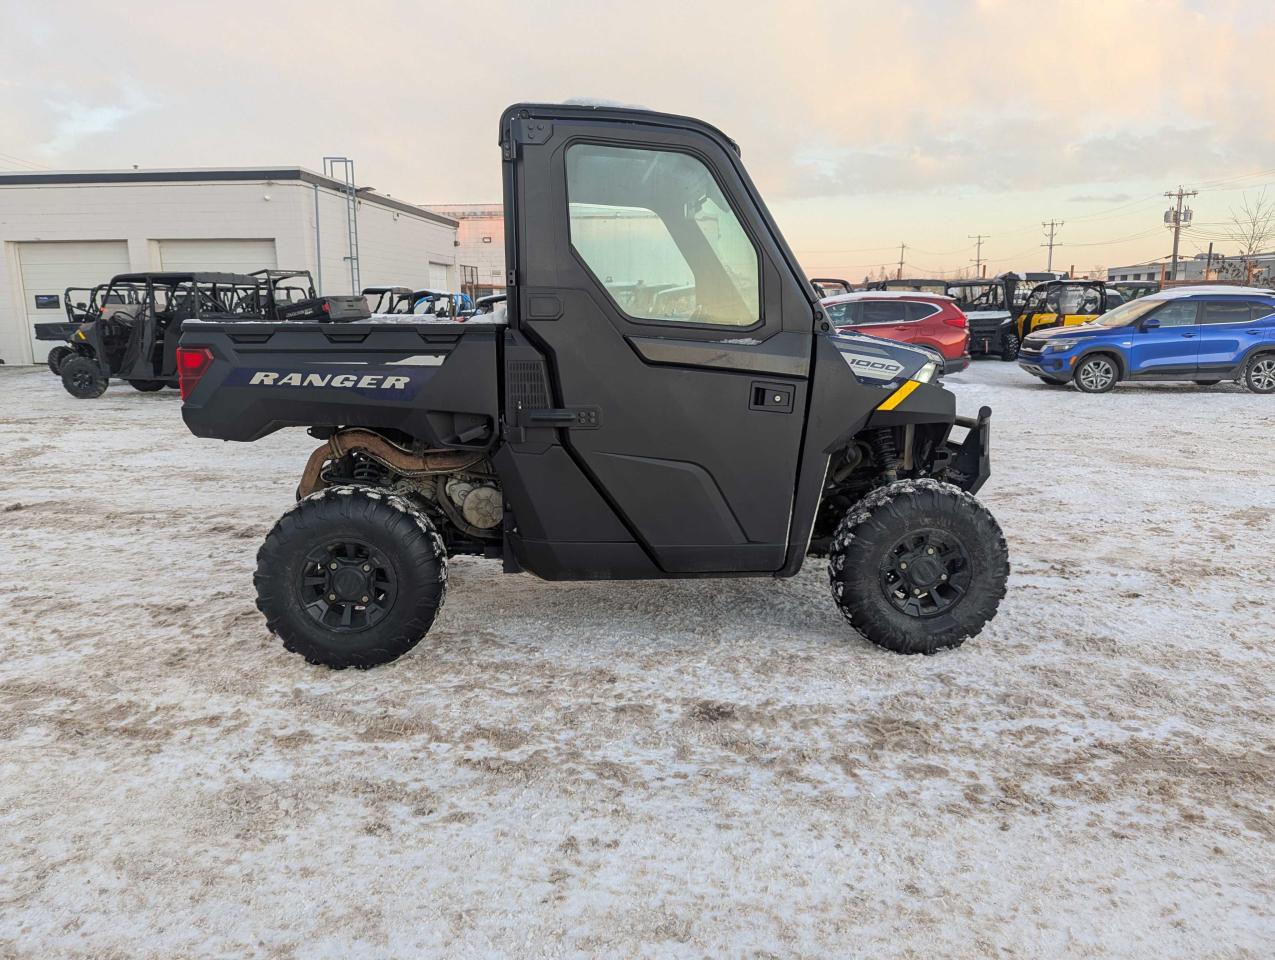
<point>76,121</point>
<point>1100,198</point>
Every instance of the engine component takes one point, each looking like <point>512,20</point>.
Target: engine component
<point>483,507</point>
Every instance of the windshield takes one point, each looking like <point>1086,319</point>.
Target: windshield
<point>1126,313</point>
<point>982,296</point>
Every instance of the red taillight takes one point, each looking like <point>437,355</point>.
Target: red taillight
<point>192,364</point>
<point>957,319</point>
<point>327,306</point>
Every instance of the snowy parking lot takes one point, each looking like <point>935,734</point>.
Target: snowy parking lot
<point>684,769</point>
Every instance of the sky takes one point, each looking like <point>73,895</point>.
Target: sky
<point>865,125</point>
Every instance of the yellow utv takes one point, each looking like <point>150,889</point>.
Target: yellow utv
<point>1064,303</point>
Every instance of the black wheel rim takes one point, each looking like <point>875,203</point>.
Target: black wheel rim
<point>926,573</point>
<point>82,380</point>
<point>347,586</point>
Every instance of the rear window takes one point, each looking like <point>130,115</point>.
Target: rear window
<point>1225,312</point>
<point>919,311</point>
<point>1262,310</point>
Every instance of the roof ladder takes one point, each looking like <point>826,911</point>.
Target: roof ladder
<point>341,169</point>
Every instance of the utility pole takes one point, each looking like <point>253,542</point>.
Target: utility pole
<point>902,247</point>
<point>1052,230</point>
<point>978,239</point>
<point>1175,218</point>
<point>1208,264</point>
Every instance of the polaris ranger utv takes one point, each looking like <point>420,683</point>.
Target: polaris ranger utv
<point>586,440</point>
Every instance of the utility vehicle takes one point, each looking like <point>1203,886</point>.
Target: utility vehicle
<point>585,439</point>
<point>425,302</point>
<point>82,304</point>
<point>989,306</point>
<point>133,335</point>
<point>290,295</point>
<point>1062,303</point>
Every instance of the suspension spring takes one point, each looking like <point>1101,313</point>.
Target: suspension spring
<point>886,452</point>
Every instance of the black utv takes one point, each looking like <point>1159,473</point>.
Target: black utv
<point>989,306</point>
<point>133,333</point>
<point>290,295</point>
<point>82,304</point>
<point>588,438</point>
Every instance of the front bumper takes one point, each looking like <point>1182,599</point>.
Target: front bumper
<point>970,463</point>
<point>1055,365</point>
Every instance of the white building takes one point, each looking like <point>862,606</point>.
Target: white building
<point>481,250</point>
<point>78,229</point>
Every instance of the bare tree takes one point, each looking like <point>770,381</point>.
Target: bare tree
<point>1253,227</point>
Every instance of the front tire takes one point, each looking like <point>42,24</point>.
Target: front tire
<point>918,565</point>
<point>57,356</point>
<point>83,378</point>
<point>1097,373</point>
<point>1259,373</point>
<point>148,386</point>
<point>1009,347</point>
<point>351,577</point>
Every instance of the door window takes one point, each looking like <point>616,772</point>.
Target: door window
<point>1225,313</point>
<point>842,314</point>
<point>1179,314</point>
<point>884,311</point>
<point>658,233</point>
<point>1261,310</point>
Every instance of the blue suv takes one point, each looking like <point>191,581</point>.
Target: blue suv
<point>1205,334</point>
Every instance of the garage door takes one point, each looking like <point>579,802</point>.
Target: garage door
<point>438,276</point>
<point>48,268</point>
<point>229,256</point>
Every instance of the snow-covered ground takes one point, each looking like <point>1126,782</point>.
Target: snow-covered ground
<point>686,769</point>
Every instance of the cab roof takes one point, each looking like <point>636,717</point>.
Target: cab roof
<point>179,276</point>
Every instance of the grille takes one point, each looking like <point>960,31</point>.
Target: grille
<point>528,385</point>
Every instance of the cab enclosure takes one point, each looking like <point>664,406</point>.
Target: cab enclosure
<point>989,305</point>
<point>1064,303</point>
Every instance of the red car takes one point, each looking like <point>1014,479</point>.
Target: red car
<point>926,319</point>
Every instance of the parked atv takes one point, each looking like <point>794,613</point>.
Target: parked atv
<point>587,438</point>
<point>133,334</point>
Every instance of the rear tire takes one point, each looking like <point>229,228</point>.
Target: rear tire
<point>1259,373</point>
<point>1096,373</point>
<point>147,386</point>
<point>82,378</point>
<point>917,566</point>
<point>351,577</point>
<point>57,356</point>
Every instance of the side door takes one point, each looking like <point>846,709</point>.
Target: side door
<point>1228,329</point>
<point>676,328</point>
<point>1167,341</point>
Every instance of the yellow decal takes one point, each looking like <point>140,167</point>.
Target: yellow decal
<point>899,395</point>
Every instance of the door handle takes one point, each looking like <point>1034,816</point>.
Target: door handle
<point>1187,336</point>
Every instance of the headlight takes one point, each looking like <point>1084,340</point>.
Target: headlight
<point>1059,346</point>
<point>927,373</point>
